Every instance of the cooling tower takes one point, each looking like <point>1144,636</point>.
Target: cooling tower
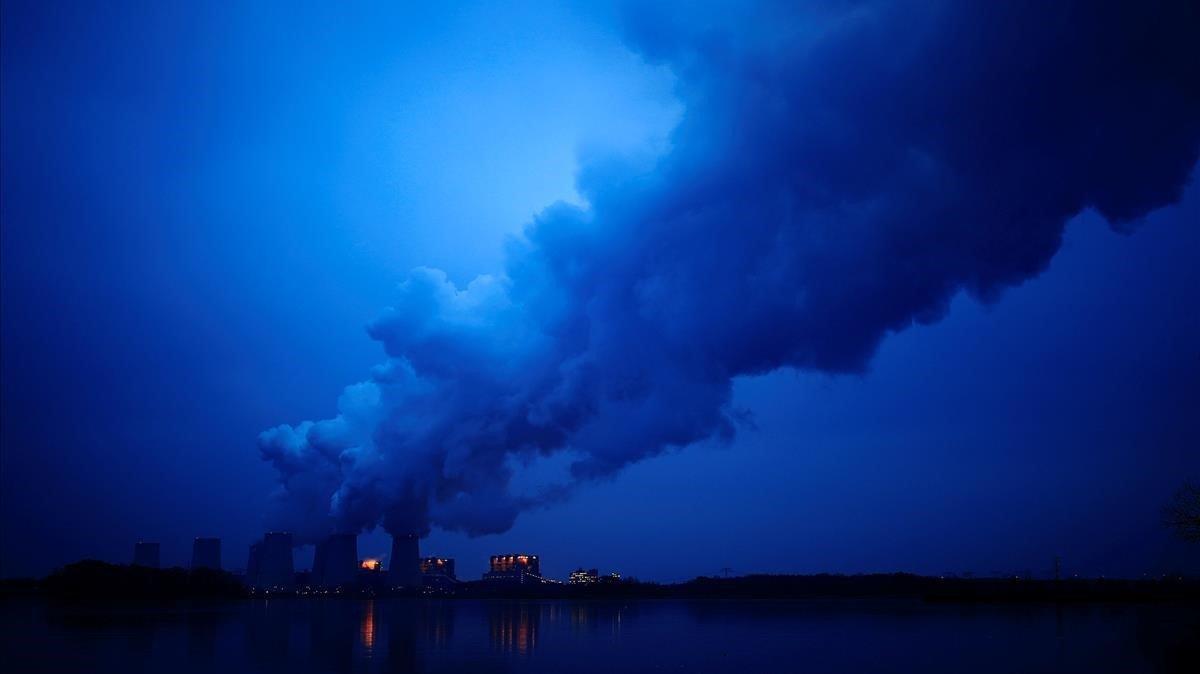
<point>206,553</point>
<point>404,564</point>
<point>318,567</point>
<point>275,568</point>
<point>252,564</point>
<point>145,554</point>
<point>335,563</point>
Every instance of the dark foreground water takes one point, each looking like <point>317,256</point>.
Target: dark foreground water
<point>398,635</point>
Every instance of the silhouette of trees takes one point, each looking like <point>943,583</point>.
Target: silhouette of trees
<point>91,579</point>
<point>1183,512</point>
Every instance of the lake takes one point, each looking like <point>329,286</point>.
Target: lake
<point>407,635</point>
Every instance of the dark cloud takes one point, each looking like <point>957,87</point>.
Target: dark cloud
<point>839,174</point>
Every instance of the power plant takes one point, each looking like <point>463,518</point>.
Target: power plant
<point>206,553</point>
<point>145,554</point>
<point>583,576</point>
<point>404,565</point>
<point>514,569</point>
<point>335,562</point>
<point>336,569</point>
<point>270,564</point>
<point>437,566</point>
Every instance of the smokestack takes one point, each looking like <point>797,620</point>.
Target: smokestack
<point>336,561</point>
<point>272,559</point>
<point>404,565</point>
<point>206,554</point>
<point>145,554</point>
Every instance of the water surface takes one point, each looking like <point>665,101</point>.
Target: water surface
<point>402,635</point>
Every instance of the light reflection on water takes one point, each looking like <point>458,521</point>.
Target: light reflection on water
<point>514,628</point>
<point>366,630</point>
<point>386,635</point>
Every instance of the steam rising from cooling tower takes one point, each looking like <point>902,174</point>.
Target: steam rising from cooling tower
<point>839,174</point>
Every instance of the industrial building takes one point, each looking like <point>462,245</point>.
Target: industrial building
<point>582,577</point>
<point>437,566</point>
<point>145,554</point>
<point>514,568</point>
<point>335,562</point>
<point>404,565</point>
<point>371,577</point>
<point>206,554</point>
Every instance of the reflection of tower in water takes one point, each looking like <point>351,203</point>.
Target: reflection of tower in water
<point>333,631</point>
<point>402,620</point>
<point>268,634</point>
<point>514,628</point>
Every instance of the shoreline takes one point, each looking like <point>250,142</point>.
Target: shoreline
<point>98,581</point>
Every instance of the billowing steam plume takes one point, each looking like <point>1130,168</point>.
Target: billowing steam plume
<point>838,174</point>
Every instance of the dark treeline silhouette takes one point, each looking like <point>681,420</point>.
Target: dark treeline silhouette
<point>91,579</point>
<point>941,589</point>
<point>898,585</point>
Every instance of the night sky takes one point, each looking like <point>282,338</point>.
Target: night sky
<point>853,287</point>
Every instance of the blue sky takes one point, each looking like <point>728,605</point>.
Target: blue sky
<point>203,208</point>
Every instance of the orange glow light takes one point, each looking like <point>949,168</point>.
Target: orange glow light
<point>366,629</point>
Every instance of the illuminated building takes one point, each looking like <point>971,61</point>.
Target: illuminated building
<point>206,553</point>
<point>145,554</point>
<point>582,577</point>
<point>335,562</point>
<point>512,563</point>
<point>437,566</point>
<point>371,576</point>
<point>514,568</point>
<point>403,566</point>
